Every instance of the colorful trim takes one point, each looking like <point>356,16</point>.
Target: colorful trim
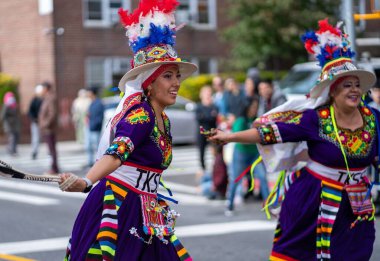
<point>122,147</point>
<point>181,250</point>
<point>280,257</point>
<point>358,143</point>
<point>163,141</point>
<point>331,196</point>
<point>269,134</point>
<point>277,233</point>
<point>138,116</point>
<point>104,247</point>
<point>129,102</point>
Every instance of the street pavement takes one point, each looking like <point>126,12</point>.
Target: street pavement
<point>36,219</point>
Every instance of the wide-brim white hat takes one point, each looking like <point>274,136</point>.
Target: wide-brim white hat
<point>341,68</point>
<point>185,68</point>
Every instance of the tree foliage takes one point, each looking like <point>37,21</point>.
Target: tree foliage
<point>268,31</point>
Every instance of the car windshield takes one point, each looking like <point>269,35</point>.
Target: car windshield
<point>299,82</point>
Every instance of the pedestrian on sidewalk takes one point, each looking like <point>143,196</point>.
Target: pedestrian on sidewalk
<point>79,110</point>
<point>10,118</point>
<point>48,123</point>
<point>34,110</point>
<point>95,115</point>
<point>123,217</point>
<point>326,211</point>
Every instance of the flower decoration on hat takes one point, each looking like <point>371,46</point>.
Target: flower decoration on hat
<point>151,31</point>
<point>331,47</point>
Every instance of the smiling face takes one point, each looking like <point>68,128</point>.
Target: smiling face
<point>164,89</point>
<point>347,94</point>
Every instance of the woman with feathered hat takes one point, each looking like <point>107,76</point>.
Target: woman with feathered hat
<point>123,217</point>
<point>326,209</point>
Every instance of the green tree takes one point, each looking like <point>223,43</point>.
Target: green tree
<point>267,32</point>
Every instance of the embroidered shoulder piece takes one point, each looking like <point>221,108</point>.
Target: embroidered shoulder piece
<point>139,115</point>
<point>121,147</point>
<point>269,134</point>
<point>128,103</point>
<point>285,116</point>
<point>358,143</point>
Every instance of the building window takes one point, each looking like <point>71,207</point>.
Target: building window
<point>200,14</point>
<point>103,72</point>
<point>103,13</point>
<point>206,65</point>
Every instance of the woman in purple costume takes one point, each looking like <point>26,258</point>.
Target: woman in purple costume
<point>123,217</point>
<point>327,213</point>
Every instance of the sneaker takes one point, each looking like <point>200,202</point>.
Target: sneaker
<point>34,156</point>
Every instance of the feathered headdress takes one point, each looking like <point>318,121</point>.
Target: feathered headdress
<point>151,32</point>
<point>330,46</point>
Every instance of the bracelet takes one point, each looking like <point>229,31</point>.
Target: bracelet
<point>88,185</point>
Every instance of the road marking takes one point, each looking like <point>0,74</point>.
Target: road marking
<point>27,199</point>
<point>212,229</point>
<point>14,258</point>
<point>39,188</point>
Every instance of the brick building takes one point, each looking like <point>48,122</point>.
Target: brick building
<point>80,43</point>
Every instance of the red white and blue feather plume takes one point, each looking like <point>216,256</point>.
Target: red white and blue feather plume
<point>152,23</point>
<point>328,43</point>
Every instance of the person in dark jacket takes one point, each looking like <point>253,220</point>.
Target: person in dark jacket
<point>48,123</point>
<point>10,118</point>
<point>34,109</point>
<point>95,122</point>
<point>206,115</point>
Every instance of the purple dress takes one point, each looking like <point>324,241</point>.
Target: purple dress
<point>317,220</point>
<point>122,218</point>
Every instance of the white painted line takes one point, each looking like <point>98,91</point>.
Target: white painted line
<point>60,243</point>
<point>27,199</point>
<point>180,187</point>
<point>32,246</point>
<point>224,228</point>
<point>39,188</point>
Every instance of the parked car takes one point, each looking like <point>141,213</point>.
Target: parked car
<point>181,115</point>
<point>301,77</point>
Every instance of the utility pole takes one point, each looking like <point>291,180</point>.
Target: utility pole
<point>348,18</point>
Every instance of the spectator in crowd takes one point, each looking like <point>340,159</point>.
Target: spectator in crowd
<point>95,122</point>
<point>10,117</point>
<point>48,123</point>
<point>235,99</point>
<point>34,109</point>
<point>244,155</point>
<point>79,111</point>
<point>219,95</point>
<point>269,97</point>
<point>206,115</point>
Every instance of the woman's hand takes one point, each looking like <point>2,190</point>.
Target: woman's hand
<point>71,183</point>
<point>218,136</point>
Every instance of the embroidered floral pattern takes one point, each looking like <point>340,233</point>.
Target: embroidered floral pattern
<point>163,141</point>
<point>286,116</point>
<point>132,100</point>
<point>121,147</point>
<point>269,134</point>
<point>357,143</point>
<point>139,115</point>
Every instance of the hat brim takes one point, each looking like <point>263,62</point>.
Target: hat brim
<point>367,80</point>
<point>186,69</point>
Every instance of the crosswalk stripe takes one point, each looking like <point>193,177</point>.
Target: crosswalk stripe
<point>60,243</point>
<point>27,199</point>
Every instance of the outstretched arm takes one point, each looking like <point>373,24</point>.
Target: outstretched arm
<point>247,136</point>
<point>104,166</point>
